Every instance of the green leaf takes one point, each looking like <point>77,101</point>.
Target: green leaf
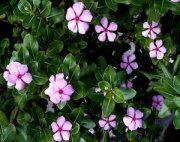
<point>165,70</point>
<point>55,47</point>
<point>70,61</point>
<point>176,101</point>
<point>104,85</point>
<point>108,106</point>
<point>20,101</point>
<point>176,120</point>
<point>40,78</point>
<point>46,136</point>
<point>23,118</point>
<point>3,118</point>
<point>118,95</point>
<point>129,93</point>
<point>111,5</point>
<point>75,128</point>
<point>176,64</point>
<point>56,15</point>
<point>123,1</point>
<point>45,9</point>
<point>77,114</point>
<point>88,123</point>
<point>164,111</point>
<point>176,84</point>
<point>5,43</point>
<point>25,7</point>
<point>61,105</point>
<point>80,90</point>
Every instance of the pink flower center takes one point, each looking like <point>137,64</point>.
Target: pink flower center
<point>150,28</point>
<point>19,76</point>
<point>60,129</point>
<point>157,49</point>
<point>133,119</point>
<point>60,91</point>
<point>106,29</point>
<point>77,18</point>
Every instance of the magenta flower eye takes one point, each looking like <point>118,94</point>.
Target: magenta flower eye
<point>17,74</point>
<point>151,30</point>
<point>106,30</point>
<point>59,89</point>
<point>157,102</point>
<point>107,123</point>
<point>133,119</point>
<point>61,129</point>
<point>78,18</point>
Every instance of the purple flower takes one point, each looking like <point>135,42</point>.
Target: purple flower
<point>128,63</point>
<point>151,30</point>
<point>59,90</point>
<point>61,129</point>
<point>127,84</point>
<point>107,123</point>
<point>157,101</point>
<point>157,50</point>
<point>78,18</point>
<point>133,120</point>
<point>17,74</point>
<point>106,30</point>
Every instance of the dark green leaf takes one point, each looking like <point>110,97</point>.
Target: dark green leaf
<point>108,106</point>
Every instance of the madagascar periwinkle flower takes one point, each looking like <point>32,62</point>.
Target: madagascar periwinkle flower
<point>157,50</point>
<point>17,74</point>
<point>59,89</point>
<point>61,129</point>
<point>133,119</point>
<point>107,123</point>
<point>151,30</point>
<point>78,18</point>
<point>127,84</point>
<point>157,102</point>
<point>106,30</point>
<point>128,63</point>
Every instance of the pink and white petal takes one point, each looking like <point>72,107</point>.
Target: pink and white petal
<point>127,120</point>
<point>65,98</point>
<point>54,99</point>
<point>102,37</point>
<point>111,36</point>
<point>145,33</point>
<point>10,84</point>
<point>99,28</point>
<point>78,8</point>
<point>68,90</point>
<point>125,58</point>
<point>134,65</point>
<point>130,112</point>
<point>61,83</point>
<point>112,26</point>
<point>138,114</point>
<point>102,123</point>
<point>57,136</point>
<point>72,26</point>
<point>107,126</point>
<point>52,78</point>
<point>129,70</point>
<point>22,69</point>
<point>139,123</point>
<point>65,135</point>
<point>146,25</point>
<point>86,16</point>
<point>159,43</point>
<point>160,98</point>
<point>155,98</point>
<point>5,75</point>
<point>14,70</point>
<point>160,55</point>
<point>157,30</point>
<point>154,24</point>
<point>132,126</point>
<point>12,78</point>
<point>113,123</point>
<point>104,22</point>
<point>70,14</point>
<point>19,84</point>
<point>67,126</point>
<point>60,121</point>
<point>152,46</point>
<point>83,27</point>
<point>59,76</point>
<point>27,78</point>
<point>132,58</point>
<point>12,64</point>
<point>152,54</point>
<point>162,49</point>
<point>112,117</point>
<point>152,35</point>
<point>123,65</point>
<point>54,127</point>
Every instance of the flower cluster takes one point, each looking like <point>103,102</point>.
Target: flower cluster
<point>107,123</point>
<point>157,102</point>
<point>17,74</point>
<point>59,89</point>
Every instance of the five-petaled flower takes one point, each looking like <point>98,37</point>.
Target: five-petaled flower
<point>107,123</point>
<point>61,129</point>
<point>17,74</point>
<point>128,63</point>
<point>127,84</point>
<point>59,90</point>
<point>133,120</point>
<point>78,18</point>
<point>157,102</point>
<point>157,50</point>
<point>151,31</point>
<point>106,30</point>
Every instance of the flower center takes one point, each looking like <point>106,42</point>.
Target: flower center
<point>19,76</point>
<point>133,119</point>
<point>77,18</point>
<point>60,91</point>
<point>157,49</point>
<point>60,129</point>
<point>106,29</point>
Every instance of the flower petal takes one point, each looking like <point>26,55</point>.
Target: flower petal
<point>27,78</point>
<point>57,137</point>
<point>65,135</point>
<point>132,126</point>
<point>134,65</point>
<point>70,14</point>
<point>113,123</point>
<point>112,26</point>
<point>86,16</point>
<point>154,24</point>
<point>112,117</point>
<point>152,46</point>
<point>19,84</point>
<point>162,49</point>
<point>102,37</point>
<point>160,55</point>
<point>111,36</point>
<point>104,22</point>
<point>123,65</point>
<point>157,30</point>
<point>72,26</point>
<point>152,54</point>
<point>5,75</point>
<point>67,126</point>
<point>102,123</point>
<point>61,83</point>
<point>145,33</point>
<point>60,121</point>
<point>152,35</point>
<point>107,126</point>
<point>158,43</point>
<point>138,114</point>
<point>12,78</point>
<point>22,69</point>
<point>130,111</point>
<point>127,120</point>
<point>54,127</point>
<point>146,25</point>
<point>139,123</point>
<point>132,58</point>
<point>78,8</point>
<point>68,90</point>
<point>83,27</point>
<point>129,70</point>
<point>99,29</point>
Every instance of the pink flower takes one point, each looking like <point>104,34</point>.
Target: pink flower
<point>175,0</point>
<point>128,63</point>
<point>157,101</point>
<point>17,74</point>
<point>157,50</point>
<point>127,84</point>
<point>133,119</point>
<point>78,18</point>
<point>106,30</point>
<point>151,30</point>
<point>61,129</point>
<point>59,90</point>
<point>107,123</point>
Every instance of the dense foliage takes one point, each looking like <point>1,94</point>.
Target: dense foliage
<point>88,70</point>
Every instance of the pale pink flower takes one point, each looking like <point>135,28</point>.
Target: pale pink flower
<point>128,63</point>
<point>17,74</point>
<point>61,129</point>
<point>175,0</point>
<point>157,50</point>
<point>151,31</point>
<point>78,18</point>
<point>133,119</point>
<point>127,84</point>
<point>59,89</point>
<point>106,30</point>
<point>157,102</point>
<point>107,123</point>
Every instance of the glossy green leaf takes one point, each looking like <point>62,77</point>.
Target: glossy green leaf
<point>108,106</point>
